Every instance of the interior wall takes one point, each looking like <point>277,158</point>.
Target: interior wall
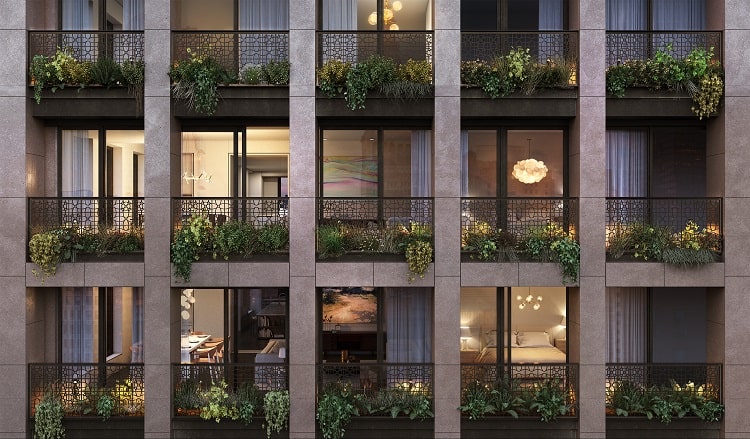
<point>208,311</point>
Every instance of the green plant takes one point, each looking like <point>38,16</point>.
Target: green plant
<point>218,403</point>
<point>187,396</point>
<point>335,411</point>
<point>48,416</point>
<point>408,399</point>
<point>107,72</point>
<point>413,80</point>
<point>708,410</point>
<point>567,253</point>
<point>332,77</point>
<point>476,401</point>
<point>626,398</point>
<point>549,400</point>
<point>276,407</point>
<point>707,98</point>
<point>249,400</point>
<point>195,80</point>
<point>234,238</point>
<point>41,75</point>
<point>419,257</point>
<point>552,243</point>
<point>273,237</point>
<point>276,72</point>
<point>187,244</point>
<point>331,241</point>
<point>48,249</point>
<point>133,74</point>
<point>252,74</point>
<point>104,406</point>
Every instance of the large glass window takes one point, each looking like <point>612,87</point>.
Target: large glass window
<point>528,322</point>
<point>414,15</point>
<point>516,15</point>
<point>656,15</point>
<point>498,163</point>
<point>231,14</point>
<point>373,162</point>
<point>102,14</point>
<point>102,325</point>
<point>108,163</point>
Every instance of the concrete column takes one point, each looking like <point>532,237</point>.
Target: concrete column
<point>302,211</point>
<point>162,149</point>
<point>587,181</point>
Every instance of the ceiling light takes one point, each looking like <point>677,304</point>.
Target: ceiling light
<point>530,170</point>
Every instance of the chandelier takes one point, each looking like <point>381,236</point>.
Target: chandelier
<point>530,300</point>
<point>388,16</point>
<point>204,176</point>
<point>529,170</point>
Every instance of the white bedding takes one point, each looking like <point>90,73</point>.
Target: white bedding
<point>523,355</point>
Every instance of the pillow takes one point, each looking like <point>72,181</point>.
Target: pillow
<point>492,339</point>
<point>513,339</point>
<point>533,340</point>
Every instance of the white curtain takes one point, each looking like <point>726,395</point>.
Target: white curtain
<point>79,324</point>
<point>679,14</point>
<point>421,163</point>
<point>137,325</point>
<point>340,15</point>
<point>551,46</point>
<point>78,15</point>
<point>627,316</point>
<point>264,14</point>
<point>464,163</point>
<point>77,164</point>
<point>133,14</point>
<point>627,163</point>
<point>408,325</point>
<point>627,15</point>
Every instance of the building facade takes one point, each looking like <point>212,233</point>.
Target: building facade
<point>315,200</point>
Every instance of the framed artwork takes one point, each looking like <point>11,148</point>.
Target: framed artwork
<point>350,305</point>
<point>350,176</point>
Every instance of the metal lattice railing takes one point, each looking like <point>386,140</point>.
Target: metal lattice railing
<point>706,378</point>
<point>261,211</point>
<point>543,45</point>
<point>78,386</point>
<point>365,377</point>
<point>357,46</point>
<point>85,214</point>
<point>198,377</point>
<point>523,378</point>
<point>670,213</point>
<point>518,216</point>
<point>641,45</point>
<point>88,45</point>
<point>234,50</point>
<point>382,211</point>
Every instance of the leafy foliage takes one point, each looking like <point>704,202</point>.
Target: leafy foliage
<point>552,243</point>
<point>276,407</point>
<point>218,404</point>
<point>699,73</point>
<point>196,79</point>
<point>104,406</point>
<point>335,410</point>
<point>48,416</point>
<point>549,400</point>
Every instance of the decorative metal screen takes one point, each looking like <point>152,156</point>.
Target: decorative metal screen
<point>88,45</point>
<point>707,377</point>
<point>366,377</point>
<point>259,211</point>
<point>642,45</point>
<point>87,214</point>
<point>234,50</point>
<point>266,376</point>
<point>355,47</point>
<point>382,211</point>
<point>78,385</point>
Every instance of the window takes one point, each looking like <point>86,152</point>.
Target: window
<point>231,14</point>
<point>529,320</point>
<point>513,15</point>
<point>101,325</point>
<point>666,15</point>
<point>488,158</point>
<point>102,15</point>
<point>376,163</point>
<point>391,325</point>
<point>363,15</point>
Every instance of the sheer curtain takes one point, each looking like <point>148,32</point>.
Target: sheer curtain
<point>627,316</point>
<point>79,15</point>
<point>137,326</point>
<point>340,15</point>
<point>408,317</point>
<point>79,324</point>
<point>133,14</point>
<point>77,164</point>
<point>627,163</point>
<point>421,163</point>
<point>262,15</point>
<point>627,15</point>
<point>551,46</point>
<point>678,14</point>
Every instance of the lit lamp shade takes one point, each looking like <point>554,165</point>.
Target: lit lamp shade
<point>563,322</point>
<point>529,171</point>
<point>465,333</point>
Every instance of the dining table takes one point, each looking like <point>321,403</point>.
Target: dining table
<point>190,345</point>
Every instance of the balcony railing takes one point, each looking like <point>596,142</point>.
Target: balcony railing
<point>369,378</point>
<point>641,45</point>
<point>198,377</point>
<point>260,211</point>
<point>121,46</point>
<point>357,46</point>
<point>78,386</point>
<point>234,50</point>
<point>664,379</point>
<point>85,215</point>
<point>516,218</point>
<point>522,379</point>
<point>670,214</point>
<point>544,46</point>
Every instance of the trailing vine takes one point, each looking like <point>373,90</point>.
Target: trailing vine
<point>276,407</point>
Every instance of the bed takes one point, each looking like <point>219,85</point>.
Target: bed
<point>529,347</point>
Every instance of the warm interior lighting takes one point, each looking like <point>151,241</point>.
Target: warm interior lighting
<point>530,170</point>
<point>563,322</point>
<point>530,300</point>
<point>388,15</point>
<point>465,336</point>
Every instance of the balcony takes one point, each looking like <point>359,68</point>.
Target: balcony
<point>657,229</point>
<point>79,387</point>
<point>409,55</point>
<point>641,66</point>
<point>245,57</point>
<point>664,400</point>
<point>549,61</point>
<point>84,95</point>
<point>235,392</point>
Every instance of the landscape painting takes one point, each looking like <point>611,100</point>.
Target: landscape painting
<point>350,176</point>
<point>349,305</point>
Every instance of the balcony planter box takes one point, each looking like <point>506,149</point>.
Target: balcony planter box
<point>135,256</point>
<point>90,102</point>
<point>193,427</point>
<point>376,104</point>
<point>92,427</point>
<point>244,101</point>
<point>620,427</point>
<point>378,427</point>
<point>642,102</point>
<point>524,427</point>
<point>556,103</point>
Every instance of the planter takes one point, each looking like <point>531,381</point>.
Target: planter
<point>92,427</point>
<point>553,103</point>
<point>639,426</point>
<point>189,427</point>
<point>244,101</point>
<point>378,427</point>
<point>522,428</point>
<point>92,101</point>
<point>376,104</point>
<point>642,102</point>
<point>136,256</point>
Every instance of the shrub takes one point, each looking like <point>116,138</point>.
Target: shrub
<point>276,73</point>
<point>196,79</point>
